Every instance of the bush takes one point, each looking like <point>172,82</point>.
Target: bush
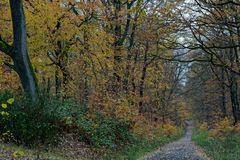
<point>37,123</point>
<point>4,118</point>
<point>204,126</point>
<point>222,128</point>
<point>30,123</point>
<point>104,131</point>
<point>144,127</point>
<point>226,148</point>
<point>169,129</point>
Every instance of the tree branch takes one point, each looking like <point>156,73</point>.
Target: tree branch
<point>5,47</point>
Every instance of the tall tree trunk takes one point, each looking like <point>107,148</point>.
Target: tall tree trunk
<point>141,88</point>
<point>133,73</point>
<point>234,98</point>
<point>65,81</point>
<point>129,57</point>
<point>117,46</point>
<point>142,80</point>
<point>18,52</point>
<point>120,33</point>
<point>223,92</point>
<point>234,89</point>
<point>57,82</point>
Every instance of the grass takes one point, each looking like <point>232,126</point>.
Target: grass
<point>227,148</point>
<point>140,147</point>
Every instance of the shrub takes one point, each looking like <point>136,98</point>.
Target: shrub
<point>169,129</point>
<point>226,148</point>
<point>143,127</point>
<point>221,128</point>
<point>104,131</point>
<point>31,124</point>
<point>40,123</point>
<point>5,135</point>
<point>204,126</point>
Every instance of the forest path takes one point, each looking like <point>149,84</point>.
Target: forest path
<point>182,149</point>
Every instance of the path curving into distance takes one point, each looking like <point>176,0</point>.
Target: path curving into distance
<point>182,149</point>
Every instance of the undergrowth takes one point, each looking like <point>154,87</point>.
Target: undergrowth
<point>39,125</point>
<point>218,148</point>
<point>140,146</point>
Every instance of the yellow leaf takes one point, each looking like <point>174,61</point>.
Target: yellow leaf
<point>17,154</point>
<point>4,113</point>
<point>10,101</point>
<point>4,105</point>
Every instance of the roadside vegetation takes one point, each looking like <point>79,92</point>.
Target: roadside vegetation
<point>141,147</point>
<point>221,142</point>
<point>45,124</point>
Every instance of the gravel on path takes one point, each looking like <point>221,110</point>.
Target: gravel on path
<point>183,149</point>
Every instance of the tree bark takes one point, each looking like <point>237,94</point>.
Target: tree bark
<point>142,80</point>
<point>223,92</point>
<point>57,82</point>
<point>18,52</point>
<point>234,90</point>
<point>133,73</point>
<point>141,88</point>
<point>234,98</point>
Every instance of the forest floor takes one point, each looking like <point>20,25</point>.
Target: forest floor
<point>182,149</point>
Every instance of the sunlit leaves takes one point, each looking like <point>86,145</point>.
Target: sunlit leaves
<point>11,101</point>
<point>3,113</point>
<point>4,106</point>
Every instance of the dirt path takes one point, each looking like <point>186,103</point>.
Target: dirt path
<point>182,149</point>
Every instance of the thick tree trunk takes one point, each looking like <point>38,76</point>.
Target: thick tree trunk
<point>18,52</point>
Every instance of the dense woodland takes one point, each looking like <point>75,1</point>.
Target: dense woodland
<point>108,71</point>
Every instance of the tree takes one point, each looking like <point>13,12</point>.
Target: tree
<point>215,32</point>
<point>18,52</point>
